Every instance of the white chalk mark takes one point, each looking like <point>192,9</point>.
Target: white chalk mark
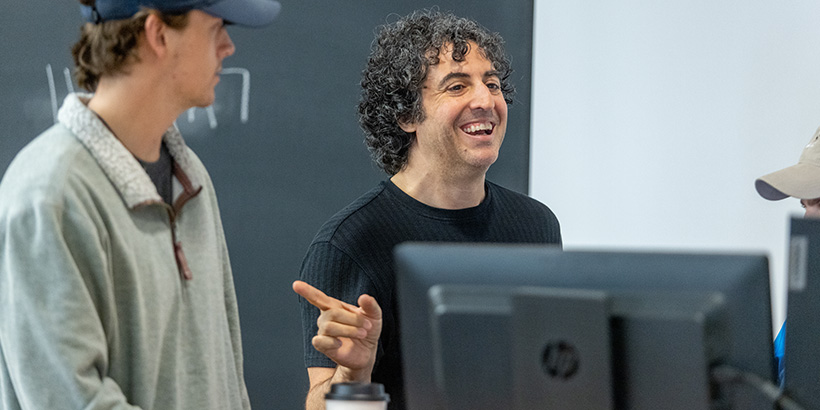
<point>212,121</point>
<point>208,110</point>
<point>211,116</point>
<point>52,88</point>
<point>69,85</point>
<point>52,92</point>
<point>246,90</point>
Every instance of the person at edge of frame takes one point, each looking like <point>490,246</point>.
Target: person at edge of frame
<point>800,181</point>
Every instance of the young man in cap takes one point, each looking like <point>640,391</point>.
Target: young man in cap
<point>115,285</point>
<point>801,181</point>
<point>434,111</point>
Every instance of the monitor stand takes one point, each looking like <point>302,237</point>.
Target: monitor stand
<point>561,350</point>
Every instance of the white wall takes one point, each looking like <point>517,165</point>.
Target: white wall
<point>652,119</point>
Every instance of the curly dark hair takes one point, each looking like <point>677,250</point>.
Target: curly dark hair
<point>109,47</point>
<point>397,68</point>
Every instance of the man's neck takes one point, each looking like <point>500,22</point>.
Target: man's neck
<point>441,191</point>
<point>135,115</point>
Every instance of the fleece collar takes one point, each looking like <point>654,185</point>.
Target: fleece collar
<point>119,165</point>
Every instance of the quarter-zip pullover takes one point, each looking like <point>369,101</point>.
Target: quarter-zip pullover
<point>93,311</point>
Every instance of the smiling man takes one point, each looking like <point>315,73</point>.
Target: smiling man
<point>434,111</point>
<point>115,285</point>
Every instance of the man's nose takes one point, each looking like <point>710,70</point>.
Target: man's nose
<point>483,98</point>
<point>812,211</point>
<point>228,47</point>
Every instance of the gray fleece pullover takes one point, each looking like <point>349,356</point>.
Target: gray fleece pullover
<point>110,298</point>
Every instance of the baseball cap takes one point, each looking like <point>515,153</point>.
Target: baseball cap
<point>251,13</point>
<point>801,180</point>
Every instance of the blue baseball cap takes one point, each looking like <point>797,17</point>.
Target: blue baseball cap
<point>250,13</point>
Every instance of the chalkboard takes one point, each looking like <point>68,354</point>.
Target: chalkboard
<point>281,141</point>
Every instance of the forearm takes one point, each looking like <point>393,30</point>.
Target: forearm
<point>316,396</point>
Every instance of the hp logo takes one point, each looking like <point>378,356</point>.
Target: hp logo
<point>560,360</point>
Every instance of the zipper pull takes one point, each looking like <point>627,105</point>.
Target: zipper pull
<point>182,263</point>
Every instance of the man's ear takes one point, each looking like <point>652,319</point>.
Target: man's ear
<point>155,34</point>
<point>406,126</point>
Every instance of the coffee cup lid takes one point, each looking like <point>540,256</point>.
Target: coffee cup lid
<point>357,391</point>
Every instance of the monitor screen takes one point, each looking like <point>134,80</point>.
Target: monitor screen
<point>491,326</point>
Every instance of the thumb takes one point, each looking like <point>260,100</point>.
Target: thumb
<point>370,307</point>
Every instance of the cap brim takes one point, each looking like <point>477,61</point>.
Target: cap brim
<point>799,181</point>
<point>250,13</point>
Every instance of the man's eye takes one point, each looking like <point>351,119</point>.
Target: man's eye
<point>457,87</point>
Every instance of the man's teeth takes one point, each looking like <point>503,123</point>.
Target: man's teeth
<point>472,129</point>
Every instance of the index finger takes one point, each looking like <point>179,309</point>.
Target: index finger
<point>315,296</point>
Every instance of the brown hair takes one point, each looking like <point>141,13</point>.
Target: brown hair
<point>109,47</point>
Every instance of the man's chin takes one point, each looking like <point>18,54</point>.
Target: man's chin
<point>205,103</point>
<point>483,162</point>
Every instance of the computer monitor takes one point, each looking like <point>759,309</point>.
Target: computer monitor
<point>802,372</point>
<point>502,326</point>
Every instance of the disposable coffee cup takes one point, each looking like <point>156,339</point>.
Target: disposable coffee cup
<point>356,396</point>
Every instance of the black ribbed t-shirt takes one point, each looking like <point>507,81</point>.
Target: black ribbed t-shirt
<point>352,254</point>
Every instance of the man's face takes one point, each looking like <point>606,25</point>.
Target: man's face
<point>197,52</point>
<point>812,207</point>
<point>465,116</point>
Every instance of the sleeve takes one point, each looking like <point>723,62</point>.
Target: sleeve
<point>232,311</point>
<point>53,344</point>
<point>780,354</point>
<point>231,303</point>
<point>549,223</point>
<point>555,230</point>
<point>547,220</point>
<point>336,274</point>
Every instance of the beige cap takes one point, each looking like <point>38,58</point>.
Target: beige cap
<point>801,180</point>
